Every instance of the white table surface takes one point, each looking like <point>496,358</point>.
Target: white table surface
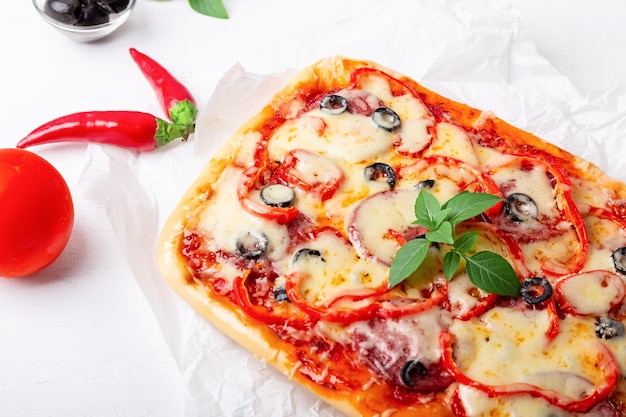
<point>79,338</point>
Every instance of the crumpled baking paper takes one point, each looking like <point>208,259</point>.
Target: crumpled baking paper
<point>475,52</point>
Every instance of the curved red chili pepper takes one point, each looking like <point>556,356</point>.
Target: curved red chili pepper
<point>603,389</point>
<point>133,130</point>
<point>170,92</point>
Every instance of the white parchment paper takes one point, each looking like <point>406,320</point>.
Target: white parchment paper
<point>472,51</point>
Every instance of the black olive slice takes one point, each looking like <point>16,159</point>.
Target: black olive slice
<point>306,252</point>
<point>608,328</point>
<point>252,245</point>
<point>386,118</point>
<point>520,208</point>
<point>411,371</point>
<point>425,185</point>
<point>381,170</point>
<point>334,104</point>
<point>280,294</point>
<point>619,260</point>
<point>536,290</point>
<point>278,195</point>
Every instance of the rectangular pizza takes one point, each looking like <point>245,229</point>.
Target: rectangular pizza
<point>398,253</point>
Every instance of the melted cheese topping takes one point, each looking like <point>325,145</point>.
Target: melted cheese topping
<point>506,346</point>
<point>502,346</point>
<point>227,222</point>
<point>451,140</point>
<point>337,271</point>
<point>375,216</point>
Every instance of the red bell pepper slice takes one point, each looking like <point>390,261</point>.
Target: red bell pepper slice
<point>370,302</point>
<point>619,208</point>
<point>398,88</point>
<point>395,307</point>
<point>287,173</point>
<point>281,215</point>
<point>568,211</point>
<point>610,215</point>
<point>482,182</point>
<point>378,305</point>
<point>606,362</point>
<point>327,312</point>
<point>608,280</point>
<point>271,312</point>
<point>553,317</point>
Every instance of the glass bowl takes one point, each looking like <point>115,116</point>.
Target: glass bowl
<point>86,32</point>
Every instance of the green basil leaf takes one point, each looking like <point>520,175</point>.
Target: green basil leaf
<point>427,210</point>
<point>443,234</point>
<point>492,273</point>
<point>451,262</point>
<point>442,216</point>
<point>408,258</point>
<point>213,8</point>
<point>466,242</point>
<point>466,205</point>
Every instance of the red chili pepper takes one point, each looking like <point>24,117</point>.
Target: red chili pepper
<point>174,98</point>
<point>133,130</point>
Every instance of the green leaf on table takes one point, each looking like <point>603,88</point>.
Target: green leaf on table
<point>213,8</point>
<point>409,257</point>
<point>492,273</point>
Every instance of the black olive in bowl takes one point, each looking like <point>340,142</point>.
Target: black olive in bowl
<point>85,20</point>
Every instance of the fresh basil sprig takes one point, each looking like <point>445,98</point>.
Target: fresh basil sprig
<point>487,270</point>
<point>213,8</point>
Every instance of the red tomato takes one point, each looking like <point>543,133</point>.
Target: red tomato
<point>36,213</point>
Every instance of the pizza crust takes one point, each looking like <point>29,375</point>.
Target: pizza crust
<point>333,72</point>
